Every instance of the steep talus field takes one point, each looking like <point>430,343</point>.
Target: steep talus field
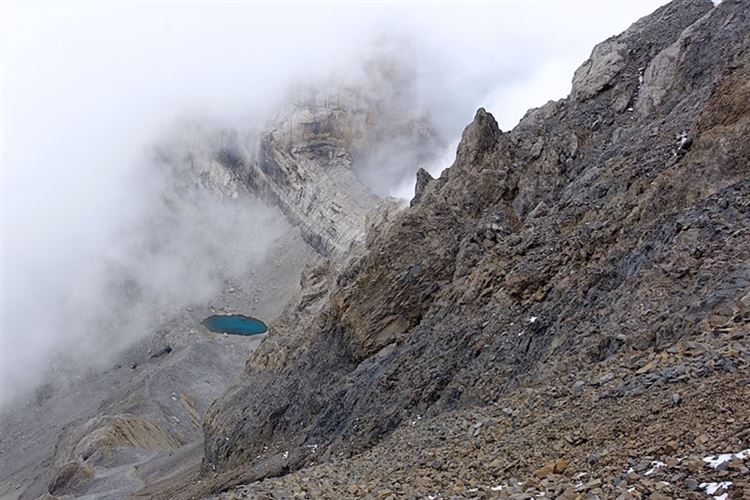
<point>607,234</point>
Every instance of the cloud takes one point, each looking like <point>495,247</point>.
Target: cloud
<point>88,88</point>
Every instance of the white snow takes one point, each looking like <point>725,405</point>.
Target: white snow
<point>496,488</point>
<point>641,71</point>
<point>655,465</point>
<point>712,488</point>
<point>683,138</point>
<point>716,460</point>
<point>716,2</point>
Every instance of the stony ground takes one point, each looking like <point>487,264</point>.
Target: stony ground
<point>674,424</point>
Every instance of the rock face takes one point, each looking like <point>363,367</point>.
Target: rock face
<point>609,225</point>
<point>424,179</point>
<point>307,158</point>
<point>323,158</point>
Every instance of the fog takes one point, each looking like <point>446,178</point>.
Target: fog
<point>89,90</point>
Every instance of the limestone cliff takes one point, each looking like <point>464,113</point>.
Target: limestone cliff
<point>326,156</point>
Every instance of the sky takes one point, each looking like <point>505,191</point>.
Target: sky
<point>89,87</point>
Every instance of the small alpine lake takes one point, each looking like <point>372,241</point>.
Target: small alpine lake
<point>235,324</point>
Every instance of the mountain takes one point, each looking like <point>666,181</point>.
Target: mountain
<point>565,309</point>
<point>564,312</point>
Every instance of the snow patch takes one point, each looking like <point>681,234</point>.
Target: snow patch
<point>682,139</point>
<point>655,465</point>
<point>711,488</point>
<point>715,461</point>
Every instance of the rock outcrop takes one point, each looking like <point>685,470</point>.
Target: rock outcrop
<point>307,158</point>
<point>609,226</point>
<point>424,179</point>
<point>324,157</point>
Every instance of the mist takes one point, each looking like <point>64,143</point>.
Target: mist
<point>100,226</point>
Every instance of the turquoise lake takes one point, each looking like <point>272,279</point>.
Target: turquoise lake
<point>236,324</point>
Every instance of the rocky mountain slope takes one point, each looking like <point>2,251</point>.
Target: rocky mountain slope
<point>564,312</point>
<point>107,432</point>
<point>570,297</point>
<point>89,428</point>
